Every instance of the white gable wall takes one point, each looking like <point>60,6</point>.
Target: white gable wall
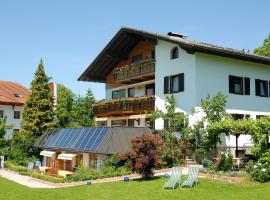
<point>212,76</point>
<point>9,112</point>
<point>166,67</point>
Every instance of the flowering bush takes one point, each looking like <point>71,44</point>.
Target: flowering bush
<point>259,171</point>
<point>123,100</point>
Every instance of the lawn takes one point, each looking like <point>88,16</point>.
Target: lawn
<point>152,189</point>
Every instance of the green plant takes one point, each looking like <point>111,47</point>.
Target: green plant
<point>224,162</point>
<point>260,172</point>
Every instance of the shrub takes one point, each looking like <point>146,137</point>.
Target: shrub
<point>16,168</point>
<point>145,155</point>
<point>83,173</point>
<point>224,162</point>
<point>260,170</point>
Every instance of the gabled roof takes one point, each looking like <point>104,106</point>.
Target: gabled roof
<point>12,93</point>
<point>126,39</point>
<point>102,140</point>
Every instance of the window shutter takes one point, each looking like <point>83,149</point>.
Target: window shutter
<point>166,84</point>
<point>257,87</point>
<point>247,86</point>
<point>269,89</point>
<point>181,82</point>
<point>231,84</point>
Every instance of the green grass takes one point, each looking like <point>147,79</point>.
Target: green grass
<point>151,189</point>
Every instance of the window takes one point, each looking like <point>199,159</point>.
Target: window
<point>260,116</point>
<point>174,84</point>
<point>101,123</point>
<point>119,122</point>
<point>150,89</point>
<point>174,53</point>
<point>137,59</point>
<point>93,161</point>
<point>119,94</point>
<point>16,130</point>
<point>239,85</point>
<point>131,122</point>
<point>17,114</point>
<point>261,88</point>
<point>131,92</point>
<point>153,55</point>
<point>1,114</point>
<point>240,116</point>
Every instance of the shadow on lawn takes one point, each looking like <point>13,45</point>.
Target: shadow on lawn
<point>147,179</point>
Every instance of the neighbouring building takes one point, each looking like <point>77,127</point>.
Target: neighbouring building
<point>141,68</point>
<point>12,98</point>
<point>64,149</point>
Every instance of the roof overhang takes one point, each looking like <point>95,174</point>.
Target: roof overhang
<point>126,39</point>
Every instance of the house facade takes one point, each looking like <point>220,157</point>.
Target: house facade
<point>141,68</point>
<point>12,99</point>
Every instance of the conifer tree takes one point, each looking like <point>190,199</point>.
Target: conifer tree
<point>38,112</point>
<point>82,111</point>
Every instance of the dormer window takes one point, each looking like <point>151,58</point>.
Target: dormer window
<point>174,53</point>
<point>18,95</point>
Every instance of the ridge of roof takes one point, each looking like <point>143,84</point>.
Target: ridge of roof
<point>125,39</point>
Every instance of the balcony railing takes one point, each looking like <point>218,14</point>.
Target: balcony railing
<point>134,72</point>
<point>124,106</point>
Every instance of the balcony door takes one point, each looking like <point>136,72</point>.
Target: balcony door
<point>150,89</point>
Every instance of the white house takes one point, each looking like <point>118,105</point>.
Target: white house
<point>12,99</point>
<point>141,68</point>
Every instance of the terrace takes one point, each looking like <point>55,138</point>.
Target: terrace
<point>142,71</point>
<point>124,106</point>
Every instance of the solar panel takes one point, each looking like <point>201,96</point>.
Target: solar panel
<point>86,139</point>
<point>97,139</point>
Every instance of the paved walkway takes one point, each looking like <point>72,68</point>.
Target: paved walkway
<point>24,180</point>
<point>37,183</point>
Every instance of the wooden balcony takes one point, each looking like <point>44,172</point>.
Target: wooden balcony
<point>124,106</point>
<point>133,73</point>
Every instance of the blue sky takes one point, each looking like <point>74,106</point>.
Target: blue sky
<point>68,34</point>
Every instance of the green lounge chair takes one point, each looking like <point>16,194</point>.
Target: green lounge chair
<point>174,178</point>
<point>192,178</point>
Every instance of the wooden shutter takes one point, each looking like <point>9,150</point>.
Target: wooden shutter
<point>181,82</point>
<point>247,86</point>
<point>166,85</point>
<point>257,87</point>
<point>231,84</point>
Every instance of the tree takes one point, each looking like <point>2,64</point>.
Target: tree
<point>145,155</point>
<point>82,110</point>
<point>264,50</point>
<point>65,99</point>
<point>4,127</point>
<point>38,114</point>
<point>173,134</point>
<point>215,111</point>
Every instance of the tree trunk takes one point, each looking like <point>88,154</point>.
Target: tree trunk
<point>236,149</point>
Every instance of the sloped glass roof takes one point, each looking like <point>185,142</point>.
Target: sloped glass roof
<point>104,140</point>
<point>86,139</point>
